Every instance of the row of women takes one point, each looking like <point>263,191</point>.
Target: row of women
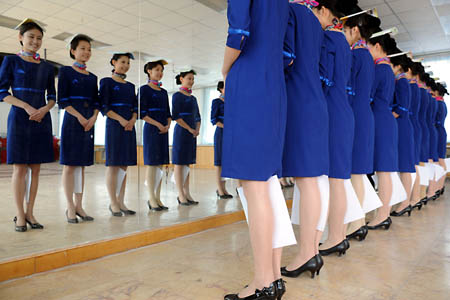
<point>29,132</point>
<point>312,94</point>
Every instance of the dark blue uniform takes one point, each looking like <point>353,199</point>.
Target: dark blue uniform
<point>217,115</point>
<point>28,142</point>
<point>425,145</point>
<point>442,133</point>
<point>414,116</point>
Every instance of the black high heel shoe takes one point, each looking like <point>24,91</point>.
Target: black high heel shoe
<point>267,293</point>
<point>311,266</point>
<point>418,205</point>
<point>115,214</point>
<point>20,228</point>
<point>163,207</point>
<point>346,244</point>
<point>72,221</point>
<point>424,201</point>
<point>402,212</point>
<point>320,263</point>
<point>85,218</point>
<point>158,208</point>
<point>128,212</point>
<point>192,202</point>
<point>34,225</point>
<point>224,196</point>
<point>340,249</point>
<point>183,203</point>
<point>281,288</point>
<point>359,234</point>
<point>385,224</point>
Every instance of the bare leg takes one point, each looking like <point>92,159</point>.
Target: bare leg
<point>407,183</point>
<point>338,208</point>
<point>260,220</point>
<point>151,174</point>
<point>441,181</point>
<point>219,182</point>
<point>309,216</point>
<point>415,196</point>
<point>186,187</point>
<point>385,194</point>
<point>178,170</point>
<point>358,186</point>
<point>121,198</point>
<point>111,185</point>
<point>276,262</point>
<point>18,183</point>
<point>158,193</point>
<point>68,184</point>
<point>423,188</point>
<point>79,197</point>
<point>35,170</point>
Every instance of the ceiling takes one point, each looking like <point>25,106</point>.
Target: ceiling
<point>190,33</point>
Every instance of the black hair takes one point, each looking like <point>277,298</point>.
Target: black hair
<point>417,68</point>
<point>220,86</point>
<point>29,26</point>
<point>183,74</point>
<point>424,77</point>
<point>152,64</point>
<point>386,42</point>
<point>442,90</point>
<point>330,4</point>
<point>117,56</point>
<point>401,61</point>
<point>76,41</point>
<point>365,23</point>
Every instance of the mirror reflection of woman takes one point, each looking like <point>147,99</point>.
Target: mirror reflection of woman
<point>30,138</point>
<point>217,119</point>
<point>78,96</point>
<point>119,104</point>
<point>155,111</point>
<point>186,113</point>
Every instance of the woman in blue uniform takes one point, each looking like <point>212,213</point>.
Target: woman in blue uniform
<point>386,131</point>
<point>412,74</point>
<point>30,139</point>
<point>433,157</point>
<point>217,119</point>
<point>442,134</point>
<point>335,69</point>
<point>358,30</point>
<point>78,95</point>
<point>255,121</point>
<point>424,106</point>
<point>184,150</point>
<point>155,111</point>
<point>119,104</point>
<point>306,152</point>
<point>401,110</point>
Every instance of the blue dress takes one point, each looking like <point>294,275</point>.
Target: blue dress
<point>81,92</point>
<point>255,110</point>
<point>217,115</point>
<point>402,106</point>
<point>360,88</point>
<point>386,130</point>
<point>306,151</point>
<point>120,145</point>
<point>432,127</point>
<point>155,104</point>
<point>29,142</point>
<point>184,148</point>
<point>335,69</point>
<point>414,116</point>
<point>425,145</point>
<point>442,133</point>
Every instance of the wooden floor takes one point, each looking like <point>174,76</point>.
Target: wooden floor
<point>410,261</point>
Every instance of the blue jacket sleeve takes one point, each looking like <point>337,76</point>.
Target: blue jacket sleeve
<point>143,101</point>
<point>105,96</point>
<point>289,51</point>
<point>51,90</point>
<point>197,112</point>
<point>95,97</point>
<point>63,89</point>
<point>6,78</point>
<point>239,23</point>
<point>214,112</point>
<point>166,96</point>
<point>176,106</point>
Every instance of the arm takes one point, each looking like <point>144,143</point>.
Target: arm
<point>183,124</point>
<point>239,25</point>
<point>289,42</point>
<point>51,98</point>
<point>134,117</point>
<point>154,123</point>
<point>96,105</point>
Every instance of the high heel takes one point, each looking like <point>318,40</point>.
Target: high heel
<point>346,244</point>
<point>359,234</point>
<point>163,207</point>
<point>115,214</point>
<point>418,205</point>
<point>402,212</point>
<point>192,202</point>
<point>183,203</point>
<point>340,249</point>
<point>281,288</point>
<point>311,266</point>
<point>267,293</point>
<point>224,196</point>
<point>385,224</point>
<point>424,201</point>
<point>34,225</point>
<point>85,218</point>
<point>128,212</point>
<point>320,263</point>
<point>158,208</point>
<point>69,220</point>
<point>20,228</point>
